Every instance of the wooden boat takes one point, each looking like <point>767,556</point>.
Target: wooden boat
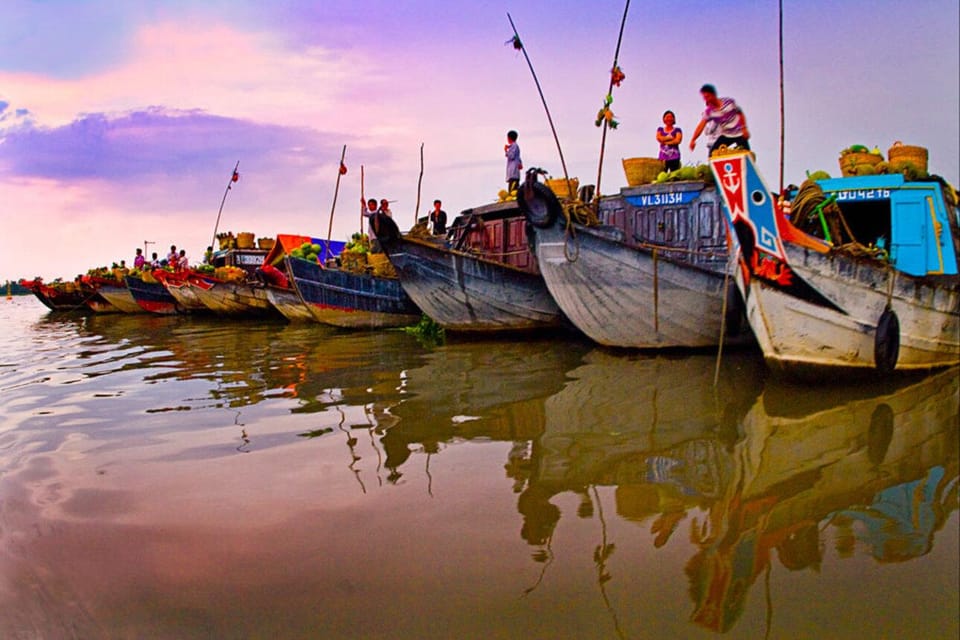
<point>649,272</point>
<point>57,295</point>
<point>279,290</point>
<point>244,296</point>
<point>350,300</point>
<point>481,277</point>
<point>114,291</point>
<point>150,294</point>
<point>179,285</point>
<point>885,299</point>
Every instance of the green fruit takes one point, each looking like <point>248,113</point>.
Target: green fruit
<point>297,253</point>
<point>305,247</point>
<point>662,176</point>
<point>315,248</point>
<point>819,175</point>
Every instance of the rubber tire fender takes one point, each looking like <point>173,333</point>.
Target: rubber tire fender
<point>542,208</point>
<point>886,341</point>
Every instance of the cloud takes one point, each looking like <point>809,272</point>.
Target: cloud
<point>133,145</point>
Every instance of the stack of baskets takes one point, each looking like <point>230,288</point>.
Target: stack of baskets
<point>850,162</point>
<point>244,240</point>
<point>641,171</point>
<point>559,187</point>
<point>353,261</point>
<point>901,156</point>
<point>380,265</point>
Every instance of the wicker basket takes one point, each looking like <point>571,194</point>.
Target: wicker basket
<point>902,154</point>
<point>641,170</point>
<point>849,162</point>
<point>353,261</point>
<point>227,241</point>
<point>559,187</point>
<point>380,265</point>
<point>266,243</point>
<point>244,240</point>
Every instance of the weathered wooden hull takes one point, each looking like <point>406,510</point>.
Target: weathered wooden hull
<point>800,336</point>
<point>462,292</point>
<point>120,297</point>
<point>623,296</point>
<point>57,299</point>
<point>351,300</point>
<point>289,304</point>
<point>232,298</point>
<point>185,293</point>
<point>152,296</point>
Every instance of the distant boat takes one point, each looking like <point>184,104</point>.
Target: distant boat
<point>58,296</point>
<point>481,277</point>
<point>886,299</point>
<point>115,291</point>
<point>151,295</point>
<point>649,273</point>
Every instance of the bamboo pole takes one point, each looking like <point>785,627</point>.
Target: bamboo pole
<point>553,129</point>
<point>336,190</point>
<point>603,137</point>
<point>416,211</point>
<point>216,226</point>
<point>781,99</point>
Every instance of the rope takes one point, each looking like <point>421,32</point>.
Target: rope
<point>723,327</point>
<point>656,295</point>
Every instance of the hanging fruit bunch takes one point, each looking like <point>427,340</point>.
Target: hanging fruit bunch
<point>605,115</point>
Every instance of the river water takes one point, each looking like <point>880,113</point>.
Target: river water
<point>201,478</point>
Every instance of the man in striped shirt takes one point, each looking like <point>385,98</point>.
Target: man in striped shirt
<point>729,121</point>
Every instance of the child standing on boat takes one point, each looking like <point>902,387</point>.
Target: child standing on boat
<point>731,124</point>
<point>514,164</point>
<point>669,137</point>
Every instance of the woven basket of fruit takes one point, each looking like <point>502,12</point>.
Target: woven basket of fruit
<point>559,187</point>
<point>901,155</point>
<point>641,170</point>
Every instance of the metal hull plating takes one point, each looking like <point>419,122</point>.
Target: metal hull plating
<point>461,292</point>
<point>351,300</point>
<point>622,296</point>
<point>152,296</point>
<point>797,336</point>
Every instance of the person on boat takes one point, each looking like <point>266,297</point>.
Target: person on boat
<point>370,213</point>
<point>438,219</point>
<point>173,256</point>
<point>731,123</point>
<point>139,260</point>
<point>385,208</point>
<point>514,164</point>
<point>182,263</point>
<point>154,261</point>
<point>208,256</point>
<point>670,136</point>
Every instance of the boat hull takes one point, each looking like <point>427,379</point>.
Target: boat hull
<point>622,296</point>
<point>232,298</point>
<point>804,337</point>
<point>289,304</point>
<point>60,300</point>
<point>185,293</point>
<point>461,292</point>
<point>350,300</point>
<point>152,296</point>
<point>120,297</point>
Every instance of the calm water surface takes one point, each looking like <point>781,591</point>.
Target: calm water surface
<point>194,478</point>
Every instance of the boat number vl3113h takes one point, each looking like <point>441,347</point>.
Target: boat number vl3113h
<point>658,199</point>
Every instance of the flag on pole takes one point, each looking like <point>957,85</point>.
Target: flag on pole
<point>236,176</point>
<point>343,169</point>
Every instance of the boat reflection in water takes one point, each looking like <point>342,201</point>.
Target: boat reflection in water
<point>788,471</point>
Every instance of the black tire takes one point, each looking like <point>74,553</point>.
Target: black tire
<point>736,310</point>
<point>886,342</point>
<point>539,204</point>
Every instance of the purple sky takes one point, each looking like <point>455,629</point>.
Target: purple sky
<point>120,123</point>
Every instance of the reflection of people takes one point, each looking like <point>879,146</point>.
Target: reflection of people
<point>438,219</point>
<point>669,137</point>
<point>514,163</point>
<point>731,124</point>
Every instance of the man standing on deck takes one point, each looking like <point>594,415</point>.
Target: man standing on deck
<point>139,260</point>
<point>438,219</point>
<point>730,123</point>
<point>514,164</point>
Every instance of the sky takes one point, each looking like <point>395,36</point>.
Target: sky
<point>121,122</point>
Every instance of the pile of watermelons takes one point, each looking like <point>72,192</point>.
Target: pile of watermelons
<point>307,251</point>
<point>699,172</point>
<point>205,268</point>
